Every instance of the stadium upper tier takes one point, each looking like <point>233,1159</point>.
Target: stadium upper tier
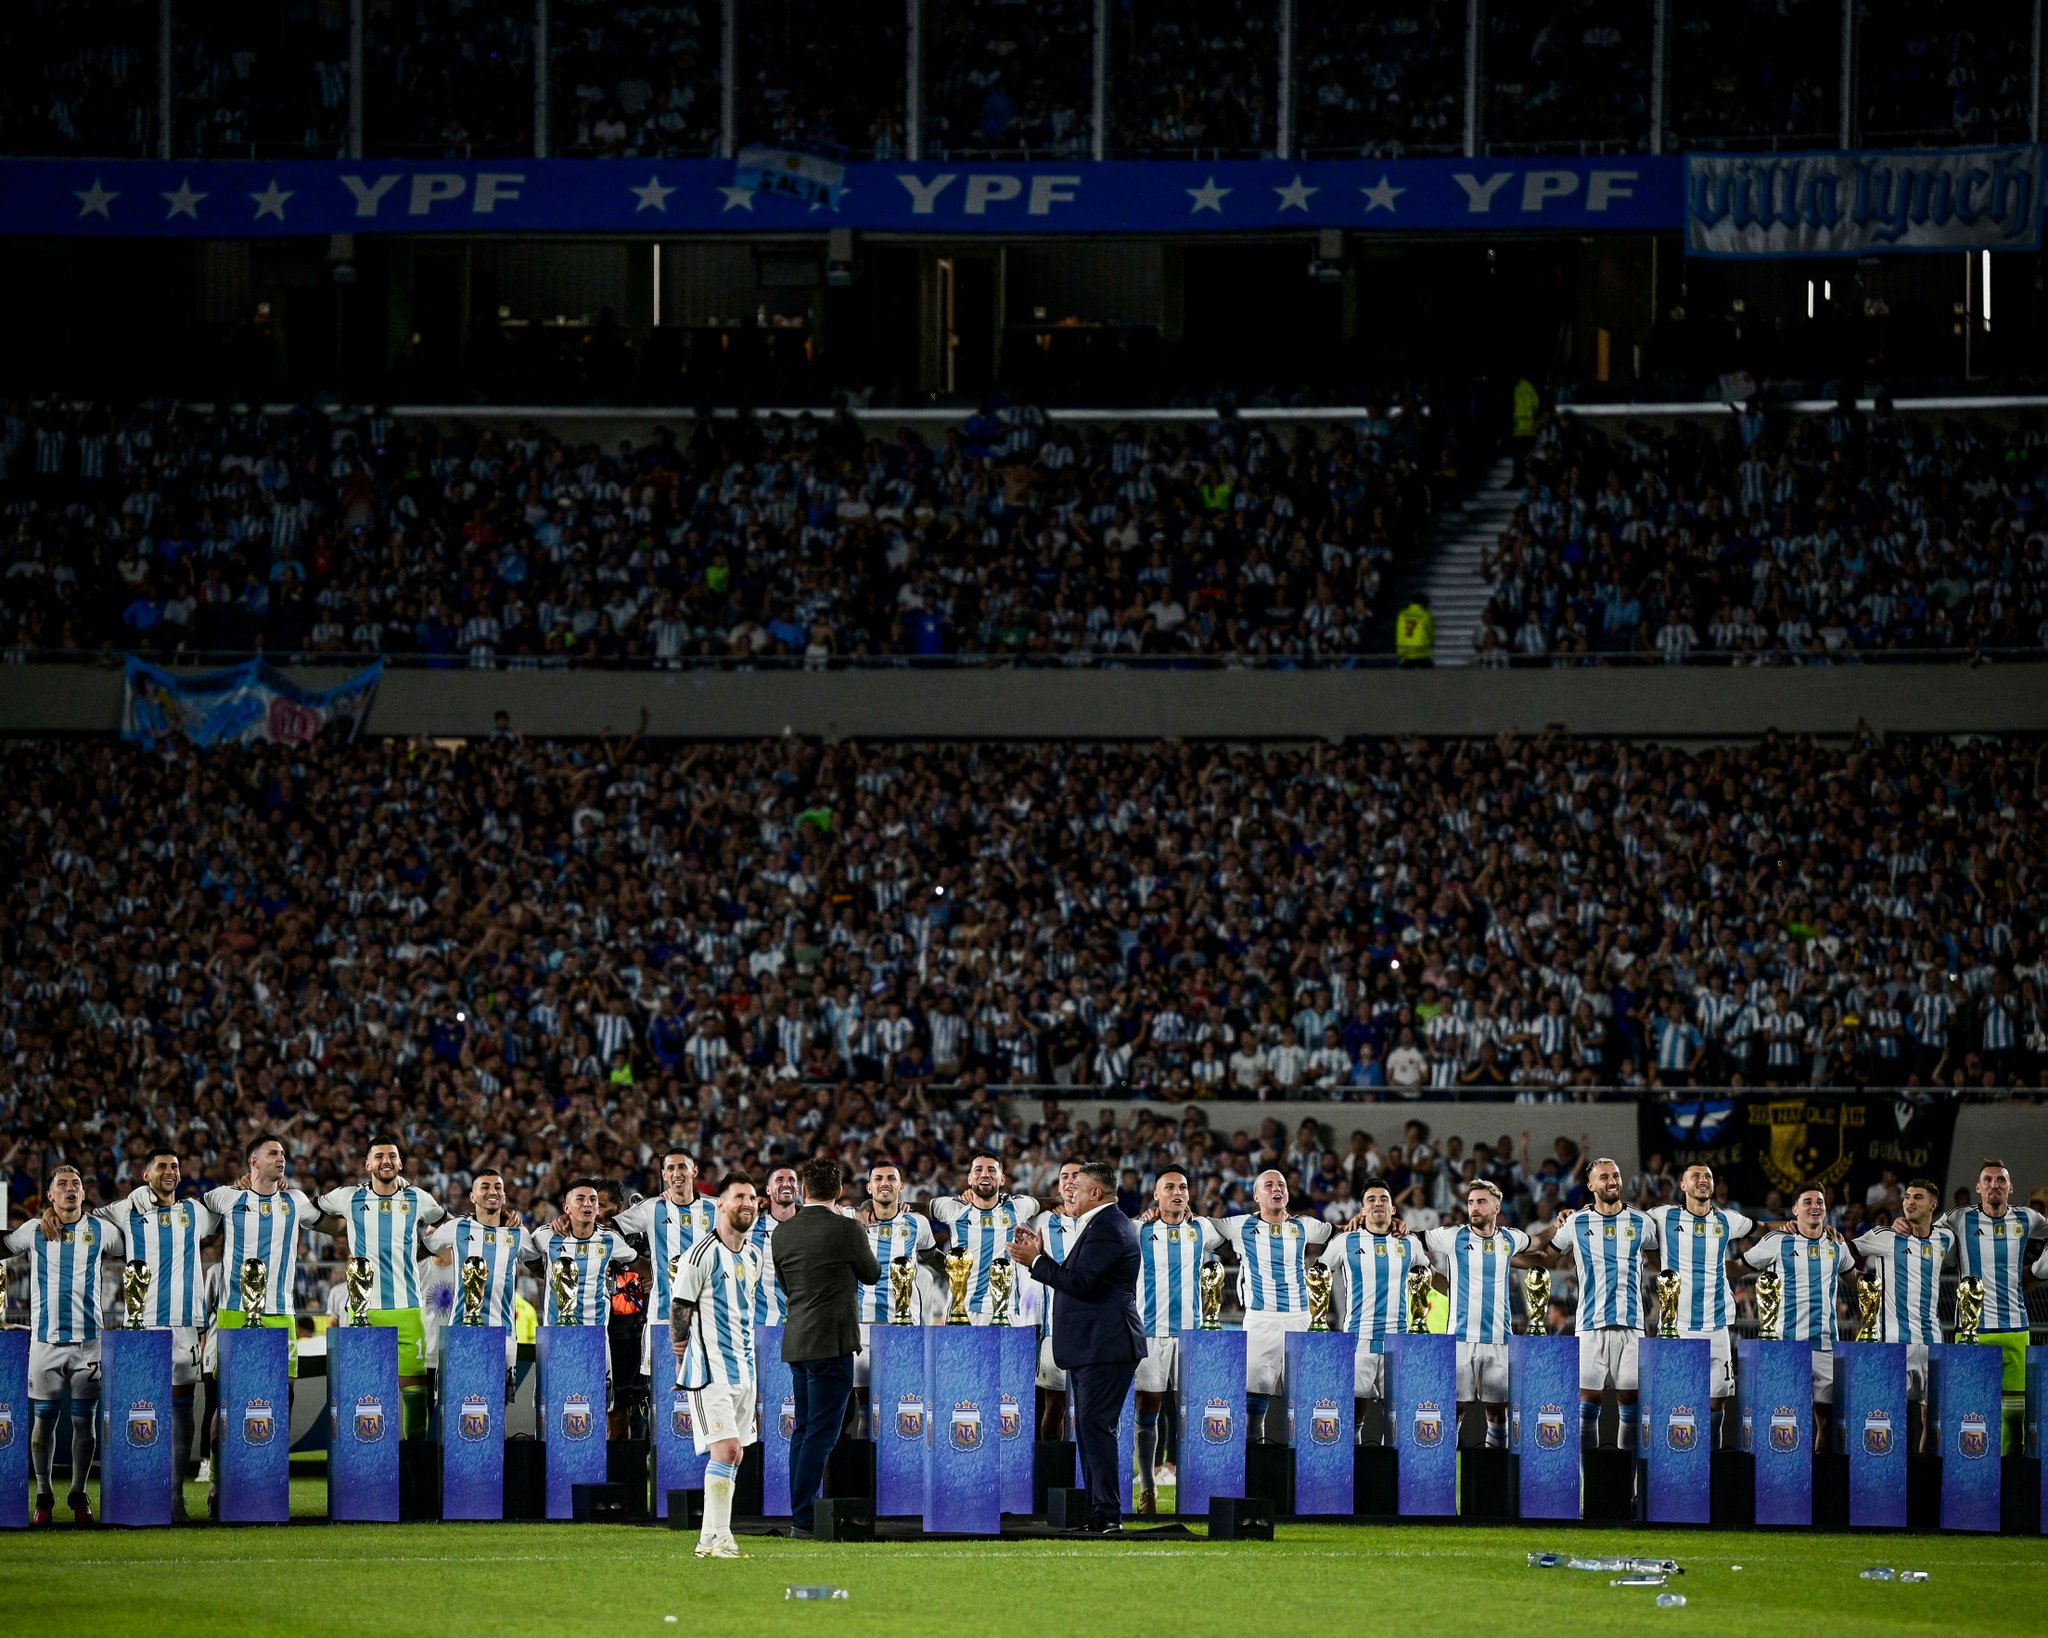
<point>1008,78</point>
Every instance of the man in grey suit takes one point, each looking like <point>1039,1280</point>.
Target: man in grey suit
<point>822,1258</point>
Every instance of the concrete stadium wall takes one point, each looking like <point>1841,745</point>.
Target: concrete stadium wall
<point>1650,702</point>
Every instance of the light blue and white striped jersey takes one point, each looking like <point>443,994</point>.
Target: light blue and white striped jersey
<point>1608,1252</point>
<point>265,1227</point>
<point>167,1239</point>
<point>1272,1261</point>
<point>64,1276</point>
<point>770,1306</point>
<point>380,1228</point>
<point>502,1251</point>
<point>1995,1250</point>
<point>1699,1249</point>
<point>669,1230</point>
<point>1056,1231</point>
<point>1809,1269</point>
<point>904,1235</point>
<point>1170,1258</point>
<point>985,1233</point>
<point>1477,1268</point>
<point>593,1258</point>
<point>1375,1269</point>
<point>1912,1280</point>
<point>719,1286</point>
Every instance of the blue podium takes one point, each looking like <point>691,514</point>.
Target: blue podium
<point>1422,1372</point>
<point>252,1454</point>
<point>1774,1391</point>
<point>472,1389</point>
<point>363,1424</point>
<point>1673,1374</point>
<point>1322,1421</point>
<point>1543,1424</point>
<point>137,1447</point>
<point>572,1419</point>
<point>15,1422</point>
<point>1212,1376</point>
<point>1016,1416</point>
<point>1965,1392</point>
<point>1870,1420</point>
<point>2036,1428</point>
<point>677,1463</point>
<point>962,1495</point>
<point>776,1399</point>
<point>899,1409</point>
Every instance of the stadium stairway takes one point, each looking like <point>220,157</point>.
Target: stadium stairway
<point>1449,571</point>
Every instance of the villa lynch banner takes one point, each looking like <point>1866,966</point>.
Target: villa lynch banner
<point>1758,1142</point>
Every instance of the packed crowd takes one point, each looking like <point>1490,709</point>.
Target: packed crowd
<point>168,533</point>
<point>1384,80</point>
<point>1576,72</point>
<point>1011,76</point>
<point>1755,73</point>
<point>77,79</point>
<point>1773,542</point>
<point>454,78</point>
<point>1946,73</point>
<point>823,74</point>
<point>1193,76</point>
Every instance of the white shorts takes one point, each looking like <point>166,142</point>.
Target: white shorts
<point>64,1370</point>
<point>1160,1368</point>
<point>1050,1376</point>
<point>184,1355</point>
<point>1483,1372</point>
<point>1916,1373</point>
<point>722,1412</point>
<point>1265,1350</point>
<point>863,1360</point>
<point>1823,1376</point>
<point>1720,1361</point>
<point>1607,1357</point>
<point>1369,1370</point>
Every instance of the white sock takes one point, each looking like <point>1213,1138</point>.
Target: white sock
<point>718,1488</point>
<point>1496,1436</point>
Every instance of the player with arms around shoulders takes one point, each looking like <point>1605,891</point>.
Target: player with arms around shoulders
<point>1475,1262</point>
<point>1810,1259</point>
<point>1910,1256</point>
<point>1173,1244</point>
<point>1375,1259</point>
<point>1606,1243</point>
<point>1272,1284</point>
<point>984,1220</point>
<point>1991,1243</point>
<point>492,1234</point>
<point>711,1327</point>
<point>669,1223</point>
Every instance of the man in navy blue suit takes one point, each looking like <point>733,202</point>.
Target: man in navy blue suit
<point>1096,1337</point>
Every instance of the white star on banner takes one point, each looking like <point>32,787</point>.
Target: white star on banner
<point>740,198</point>
<point>184,202</point>
<point>819,204</point>
<point>270,202</point>
<point>93,201</point>
<point>1207,197</point>
<point>1381,195</point>
<point>652,197</point>
<point>1295,195</point>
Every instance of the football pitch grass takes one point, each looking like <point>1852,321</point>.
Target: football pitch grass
<point>309,1580</point>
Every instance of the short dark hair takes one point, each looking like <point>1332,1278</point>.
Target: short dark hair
<point>820,1178</point>
<point>596,1185</point>
<point>984,1154</point>
<point>1174,1171</point>
<point>159,1150</point>
<point>262,1140</point>
<point>1372,1183</point>
<point>1820,1189</point>
<point>1926,1183</point>
<point>380,1140</point>
<point>488,1171</point>
<point>731,1179</point>
<point>1984,1166</point>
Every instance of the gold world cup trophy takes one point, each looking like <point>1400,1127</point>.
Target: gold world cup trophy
<point>1870,1300</point>
<point>1770,1303</point>
<point>1319,1283</point>
<point>902,1290</point>
<point>1536,1293</point>
<point>361,1277</point>
<point>1212,1294</point>
<point>476,1279</point>
<point>135,1287</point>
<point>1002,1276</point>
<point>255,1283</point>
<point>1418,1299</point>
<point>959,1270</point>
<point>1969,1307</point>
<point>1667,1303</point>
<point>563,1279</point>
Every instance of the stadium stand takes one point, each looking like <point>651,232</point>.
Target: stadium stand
<point>454,78</point>
<point>1381,80</point>
<point>73,81</point>
<point>1011,78</point>
<point>637,82</point>
<point>1192,77</point>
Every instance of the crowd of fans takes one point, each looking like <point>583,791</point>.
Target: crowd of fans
<point>78,79</point>
<point>1768,543</point>
<point>634,80</point>
<point>1385,80</point>
<point>1011,76</point>
<point>1190,76</point>
<point>823,74</point>
<point>1575,72</point>
<point>454,78</point>
<point>169,533</point>
<point>1947,72</point>
<point>1755,73</point>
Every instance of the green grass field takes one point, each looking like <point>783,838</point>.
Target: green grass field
<point>451,1579</point>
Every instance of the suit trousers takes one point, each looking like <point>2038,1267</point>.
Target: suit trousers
<point>1097,1394</point>
<point>820,1388</point>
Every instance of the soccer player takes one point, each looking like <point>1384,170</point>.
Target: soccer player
<point>1606,1242</point>
<point>670,1223</point>
<point>1696,1238</point>
<point>1991,1243</point>
<point>1172,1246</point>
<point>65,1247</point>
<point>1811,1262</point>
<point>165,1233</point>
<point>1272,1284</point>
<point>1476,1263</point>
<point>712,1327</point>
<point>1055,1229</point>
<point>1911,1258</point>
<point>382,1216</point>
<point>894,1231</point>
<point>1375,1263</point>
<point>577,1235</point>
<point>491,1232</point>
<point>778,1204</point>
<point>984,1220</point>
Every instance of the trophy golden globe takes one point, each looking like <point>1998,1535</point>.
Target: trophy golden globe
<point>476,1279</point>
<point>1770,1304</point>
<point>1418,1300</point>
<point>959,1270</point>
<point>255,1283</point>
<point>1870,1300</point>
<point>1969,1307</point>
<point>1667,1303</point>
<point>1002,1276</point>
<point>135,1287</point>
<point>1212,1295</point>
<point>1319,1282</point>
<point>1536,1293</point>
<point>563,1279</point>
<point>361,1277</point>
<point>902,1290</point>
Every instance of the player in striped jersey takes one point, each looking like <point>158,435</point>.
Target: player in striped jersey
<point>1474,1263</point>
<point>489,1232</point>
<point>670,1223</point>
<point>894,1233</point>
<point>65,1247</point>
<point>1375,1263</point>
<point>778,1204</point>
<point>1991,1243</point>
<point>383,1216</point>
<point>984,1220</point>
<point>1272,1284</point>
<point>1606,1243</point>
<point>1695,1238</point>
<point>1811,1260</point>
<point>1910,1259</point>
<point>576,1235</point>
<point>260,1222</point>
<point>1173,1244</point>
<point>164,1232</point>
<point>712,1327</point>
<point>1055,1229</point>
